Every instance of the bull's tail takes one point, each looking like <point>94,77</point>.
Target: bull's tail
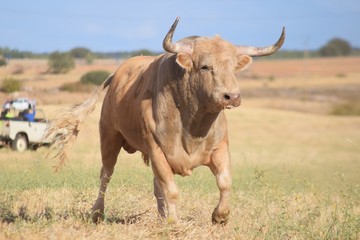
<point>66,124</point>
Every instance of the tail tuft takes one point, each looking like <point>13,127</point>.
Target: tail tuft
<point>65,126</point>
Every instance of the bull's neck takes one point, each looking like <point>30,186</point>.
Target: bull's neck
<point>200,124</point>
<point>196,120</point>
<point>180,96</point>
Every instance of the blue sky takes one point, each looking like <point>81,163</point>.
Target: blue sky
<point>115,25</point>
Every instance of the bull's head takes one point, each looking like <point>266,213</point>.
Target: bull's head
<point>212,65</point>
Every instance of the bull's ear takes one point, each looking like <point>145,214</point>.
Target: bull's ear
<point>244,61</point>
<point>184,60</point>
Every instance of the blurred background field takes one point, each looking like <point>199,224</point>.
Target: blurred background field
<point>295,159</point>
<point>313,85</point>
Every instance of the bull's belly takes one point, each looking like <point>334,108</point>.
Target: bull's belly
<point>134,141</point>
<point>128,123</point>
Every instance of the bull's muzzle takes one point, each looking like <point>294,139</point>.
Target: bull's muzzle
<point>231,100</point>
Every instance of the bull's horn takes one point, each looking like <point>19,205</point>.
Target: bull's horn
<point>176,47</point>
<point>262,51</point>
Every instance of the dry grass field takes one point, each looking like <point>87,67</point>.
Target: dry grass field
<point>295,165</point>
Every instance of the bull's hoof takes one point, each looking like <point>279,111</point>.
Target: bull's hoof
<point>172,220</point>
<point>220,218</point>
<point>97,216</point>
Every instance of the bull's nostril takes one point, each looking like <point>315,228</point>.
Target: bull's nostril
<point>227,96</point>
<point>231,96</point>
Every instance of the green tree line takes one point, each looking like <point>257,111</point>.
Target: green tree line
<point>62,62</point>
<point>78,52</point>
<point>335,47</point>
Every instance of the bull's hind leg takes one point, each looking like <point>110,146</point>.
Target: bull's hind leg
<point>111,143</point>
<point>220,166</point>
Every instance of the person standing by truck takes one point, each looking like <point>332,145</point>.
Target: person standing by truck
<point>6,114</point>
<point>7,111</point>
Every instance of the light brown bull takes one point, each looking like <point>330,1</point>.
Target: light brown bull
<point>170,108</point>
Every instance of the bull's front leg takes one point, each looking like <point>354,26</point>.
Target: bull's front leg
<point>160,199</point>
<point>164,187</point>
<point>220,166</point>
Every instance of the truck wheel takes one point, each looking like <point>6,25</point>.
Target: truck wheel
<point>20,143</point>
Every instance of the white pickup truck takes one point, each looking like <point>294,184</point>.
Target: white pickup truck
<point>21,135</point>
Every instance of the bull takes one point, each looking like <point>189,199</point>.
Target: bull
<point>171,109</point>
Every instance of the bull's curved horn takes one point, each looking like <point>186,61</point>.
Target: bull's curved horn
<point>176,47</point>
<point>262,51</point>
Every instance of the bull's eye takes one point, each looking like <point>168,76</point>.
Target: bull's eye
<point>205,68</point>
